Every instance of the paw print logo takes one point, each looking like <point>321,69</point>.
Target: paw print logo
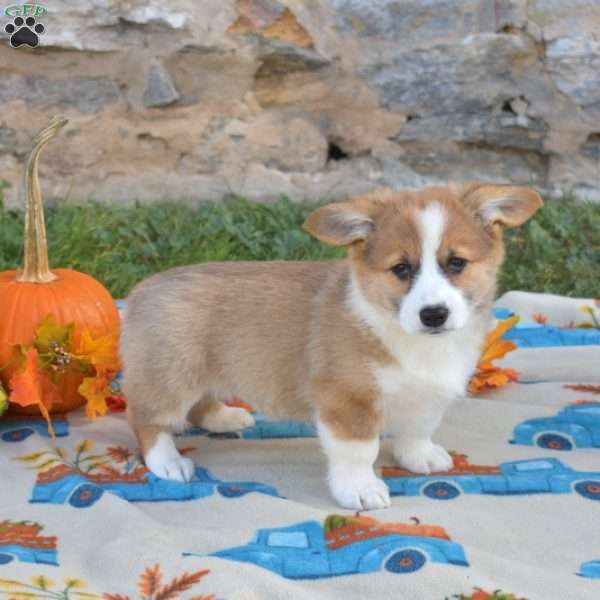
<point>24,32</point>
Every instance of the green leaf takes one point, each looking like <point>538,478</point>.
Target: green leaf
<point>33,456</point>
<point>94,457</point>
<point>46,463</point>
<point>95,465</point>
<point>3,400</point>
<point>49,333</point>
<point>84,446</point>
<point>19,594</point>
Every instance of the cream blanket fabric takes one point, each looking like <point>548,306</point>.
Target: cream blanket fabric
<point>519,517</point>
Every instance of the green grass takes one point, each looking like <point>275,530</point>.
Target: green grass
<point>558,251</point>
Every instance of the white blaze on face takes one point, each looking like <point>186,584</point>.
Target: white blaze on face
<point>431,287</point>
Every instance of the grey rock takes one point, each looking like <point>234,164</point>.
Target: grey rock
<point>160,89</point>
<point>279,58</point>
<point>8,140</point>
<point>259,13</point>
<point>415,92</point>
<point>418,20</point>
<point>574,65</point>
<point>472,162</point>
<point>561,19</point>
<point>504,129</point>
<point>591,147</point>
<point>465,77</point>
<point>84,94</point>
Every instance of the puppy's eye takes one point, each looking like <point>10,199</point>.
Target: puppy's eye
<point>456,265</point>
<point>402,271</point>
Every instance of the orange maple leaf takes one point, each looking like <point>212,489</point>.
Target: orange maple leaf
<point>492,377</point>
<point>494,347</point>
<point>95,390</point>
<point>101,352</point>
<point>29,386</point>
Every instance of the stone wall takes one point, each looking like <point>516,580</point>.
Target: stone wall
<point>310,98</point>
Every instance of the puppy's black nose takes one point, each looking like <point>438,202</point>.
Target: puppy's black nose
<point>434,316</point>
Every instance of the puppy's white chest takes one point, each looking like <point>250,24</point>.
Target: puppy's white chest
<point>428,367</point>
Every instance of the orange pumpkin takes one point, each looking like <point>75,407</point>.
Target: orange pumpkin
<point>30,295</point>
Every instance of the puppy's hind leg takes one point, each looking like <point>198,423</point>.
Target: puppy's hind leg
<point>217,417</point>
<point>154,421</point>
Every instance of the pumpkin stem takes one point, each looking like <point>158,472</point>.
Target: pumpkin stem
<point>35,268</point>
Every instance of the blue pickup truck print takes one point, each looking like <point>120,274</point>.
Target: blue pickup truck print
<point>346,546</point>
<point>22,542</point>
<point>18,428</point>
<point>264,428</point>
<point>534,476</point>
<point>63,483</point>
<point>575,426</point>
<point>590,569</point>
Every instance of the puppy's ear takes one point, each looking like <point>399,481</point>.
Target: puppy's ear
<point>339,224</point>
<point>509,205</point>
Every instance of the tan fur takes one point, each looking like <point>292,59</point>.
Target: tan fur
<point>280,335</point>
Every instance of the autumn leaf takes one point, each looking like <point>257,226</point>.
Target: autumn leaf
<point>3,400</point>
<point>95,391</point>
<point>180,584</point>
<point>150,581</point>
<point>582,387</point>
<point>49,334</point>
<point>101,352</point>
<point>119,454</point>
<point>494,347</point>
<point>29,388</point>
<point>494,377</point>
<point>25,386</point>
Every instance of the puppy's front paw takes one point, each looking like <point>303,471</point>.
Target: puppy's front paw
<point>226,419</point>
<point>423,457</point>
<point>176,468</point>
<point>360,493</point>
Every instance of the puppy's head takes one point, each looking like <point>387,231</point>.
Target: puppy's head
<point>429,258</point>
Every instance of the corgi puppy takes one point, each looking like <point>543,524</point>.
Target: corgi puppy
<point>383,341</point>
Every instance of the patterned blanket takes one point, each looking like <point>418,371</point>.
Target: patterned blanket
<point>517,517</point>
